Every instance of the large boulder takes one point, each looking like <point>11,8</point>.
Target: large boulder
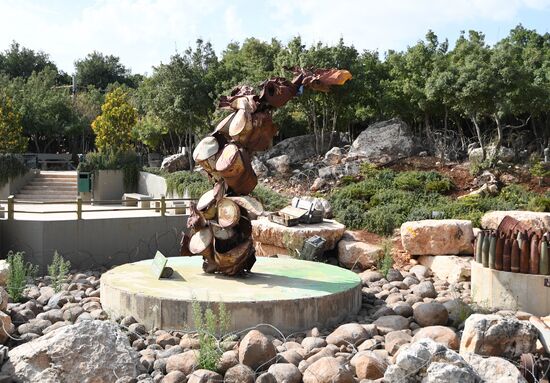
<point>428,361</point>
<point>298,148</point>
<point>175,162</point>
<point>536,220</point>
<point>88,351</point>
<point>356,255</point>
<point>271,233</point>
<point>438,237</point>
<point>285,373</point>
<point>384,141</point>
<point>504,154</point>
<point>452,268</point>
<point>257,351</point>
<point>6,327</point>
<point>494,335</point>
<point>494,369</point>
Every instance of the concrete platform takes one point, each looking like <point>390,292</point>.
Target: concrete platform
<point>290,294</point>
<point>496,289</point>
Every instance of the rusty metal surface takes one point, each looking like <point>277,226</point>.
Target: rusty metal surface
<point>226,156</point>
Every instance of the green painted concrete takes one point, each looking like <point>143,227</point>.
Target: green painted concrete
<point>272,279</point>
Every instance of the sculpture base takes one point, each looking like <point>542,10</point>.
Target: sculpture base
<point>290,294</point>
<point>504,290</point>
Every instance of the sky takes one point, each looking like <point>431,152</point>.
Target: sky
<point>144,33</point>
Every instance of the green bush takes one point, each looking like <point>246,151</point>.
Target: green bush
<point>11,166</point>
<point>539,203</point>
<point>155,171</point>
<point>195,183</point>
<point>385,199</point>
<point>19,274</point>
<point>129,162</point>
<point>58,271</point>
<point>209,327</point>
<point>271,200</point>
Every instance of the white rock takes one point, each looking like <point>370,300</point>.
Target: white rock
<point>438,237</point>
<point>87,351</point>
<point>452,268</point>
<point>280,164</point>
<point>494,335</point>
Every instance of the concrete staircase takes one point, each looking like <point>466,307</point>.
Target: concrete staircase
<point>50,186</point>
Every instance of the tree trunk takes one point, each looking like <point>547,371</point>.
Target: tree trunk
<point>498,143</point>
<point>315,127</point>
<point>333,130</point>
<point>479,139</point>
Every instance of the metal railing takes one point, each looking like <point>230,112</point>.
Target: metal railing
<point>157,204</point>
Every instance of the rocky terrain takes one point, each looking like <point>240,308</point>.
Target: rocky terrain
<point>412,327</point>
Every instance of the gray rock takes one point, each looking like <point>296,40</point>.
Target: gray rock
<point>391,323</point>
<point>298,148</point>
<point>175,162</point>
<point>384,141</point>
<point>71,356</point>
<point>425,289</point>
<point>285,373</point>
<point>458,311</point>
<point>430,314</point>
<point>493,335</point>
<point>259,168</point>
<point>394,275</point>
<point>428,361</point>
<point>334,156</point>
<point>338,171</point>
<point>279,164</point>
<point>494,369</point>
<point>239,374</point>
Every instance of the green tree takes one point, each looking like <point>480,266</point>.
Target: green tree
<point>101,70</point>
<point>11,129</point>
<point>17,61</point>
<point>180,95</point>
<point>113,127</point>
<point>471,59</point>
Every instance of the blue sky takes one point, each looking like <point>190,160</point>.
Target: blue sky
<point>145,32</point>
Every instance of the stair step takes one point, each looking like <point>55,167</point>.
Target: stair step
<point>40,197</point>
<point>48,192</point>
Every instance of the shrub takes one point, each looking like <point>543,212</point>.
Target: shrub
<point>539,203</point>
<point>271,200</point>
<point>19,274</point>
<point>441,186</point>
<point>58,271</point>
<point>11,166</point>
<point>385,261</point>
<point>195,183</point>
<point>127,161</point>
<point>384,219</point>
<point>516,195</point>
<point>209,328</point>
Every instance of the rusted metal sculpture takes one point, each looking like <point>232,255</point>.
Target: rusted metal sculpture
<point>219,225</point>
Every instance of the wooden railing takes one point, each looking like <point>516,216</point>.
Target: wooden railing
<point>157,204</point>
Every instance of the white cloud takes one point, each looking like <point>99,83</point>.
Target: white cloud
<point>391,23</point>
<point>144,32</point>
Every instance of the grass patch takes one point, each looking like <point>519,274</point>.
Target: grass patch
<point>385,262</point>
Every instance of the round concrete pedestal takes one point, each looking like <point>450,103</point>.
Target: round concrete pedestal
<point>496,289</point>
<point>289,294</point>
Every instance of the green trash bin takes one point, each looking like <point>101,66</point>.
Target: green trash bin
<point>84,182</point>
